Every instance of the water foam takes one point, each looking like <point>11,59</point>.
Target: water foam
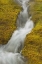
<point>16,42</point>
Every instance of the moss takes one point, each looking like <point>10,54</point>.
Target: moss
<point>33,42</point>
<point>8,16</point>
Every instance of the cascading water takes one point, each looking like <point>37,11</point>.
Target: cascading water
<point>24,27</point>
<point>11,58</point>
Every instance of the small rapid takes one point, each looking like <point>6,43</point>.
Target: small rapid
<point>24,27</point>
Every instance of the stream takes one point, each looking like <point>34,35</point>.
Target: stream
<point>11,52</point>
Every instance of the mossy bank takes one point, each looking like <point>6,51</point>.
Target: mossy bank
<point>8,15</point>
<point>33,42</point>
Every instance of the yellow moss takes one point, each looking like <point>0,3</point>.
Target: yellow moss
<point>38,0</point>
<point>8,16</point>
<point>33,42</point>
<point>36,11</point>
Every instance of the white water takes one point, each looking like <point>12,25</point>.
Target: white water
<point>11,58</point>
<point>24,27</point>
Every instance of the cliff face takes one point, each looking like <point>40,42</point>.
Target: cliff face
<point>33,42</point>
<point>8,16</point>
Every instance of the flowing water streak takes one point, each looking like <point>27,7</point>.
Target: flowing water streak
<point>25,25</point>
<point>11,58</point>
<point>16,43</point>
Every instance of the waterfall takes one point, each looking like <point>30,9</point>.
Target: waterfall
<point>24,27</point>
<point>11,58</point>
